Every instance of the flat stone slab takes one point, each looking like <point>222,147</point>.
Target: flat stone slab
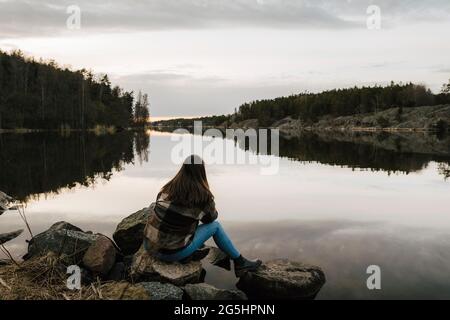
<point>5,237</point>
<point>218,258</point>
<point>5,262</point>
<point>146,267</point>
<point>283,279</point>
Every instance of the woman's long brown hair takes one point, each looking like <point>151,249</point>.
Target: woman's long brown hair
<point>189,188</point>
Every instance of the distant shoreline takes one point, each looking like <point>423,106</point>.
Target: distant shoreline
<point>417,119</point>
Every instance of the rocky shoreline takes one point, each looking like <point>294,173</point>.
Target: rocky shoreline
<point>120,268</point>
<point>417,119</point>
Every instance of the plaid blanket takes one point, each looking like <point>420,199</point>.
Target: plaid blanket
<point>170,228</point>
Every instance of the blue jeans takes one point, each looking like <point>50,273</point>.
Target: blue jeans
<point>202,234</point>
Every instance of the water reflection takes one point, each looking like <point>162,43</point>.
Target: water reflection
<point>40,163</point>
<point>415,262</point>
<point>376,151</point>
<point>390,152</point>
<point>313,210</point>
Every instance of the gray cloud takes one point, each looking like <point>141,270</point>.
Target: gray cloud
<point>48,17</point>
<point>172,78</point>
<point>443,70</point>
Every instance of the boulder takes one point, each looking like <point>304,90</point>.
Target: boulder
<point>5,237</point>
<point>162,291</point>
<point>129,233</point>
<point>63,225</point>
<point>218,258</point>
<point>100,256</point>
<point>146,267</point>
<point>283,279</point>
<point>57,239</point>
<point>203,291</point>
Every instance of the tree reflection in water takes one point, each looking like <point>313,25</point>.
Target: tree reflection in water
<point>39,163</point>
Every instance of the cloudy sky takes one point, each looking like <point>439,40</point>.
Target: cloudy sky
<point>202,57</point>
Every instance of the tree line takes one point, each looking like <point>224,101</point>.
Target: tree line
<point>309,107</point>
<point>43,95</point>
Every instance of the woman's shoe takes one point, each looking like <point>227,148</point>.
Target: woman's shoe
<point>243,265</point>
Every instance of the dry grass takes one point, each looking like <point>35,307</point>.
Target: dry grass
<point>44,278</point>
<point>40,278</point>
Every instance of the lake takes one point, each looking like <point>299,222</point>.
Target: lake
<point>343,202</point>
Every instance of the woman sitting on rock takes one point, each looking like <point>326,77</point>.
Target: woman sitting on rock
<point>173,232</point>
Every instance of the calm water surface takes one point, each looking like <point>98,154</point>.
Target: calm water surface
<point>341,203</point>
